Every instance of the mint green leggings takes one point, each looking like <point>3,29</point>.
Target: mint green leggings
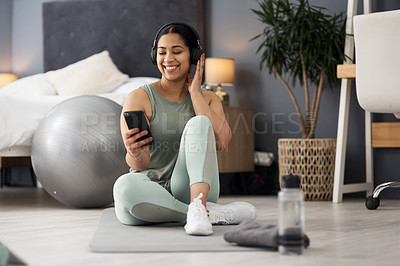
<point>139,201</point>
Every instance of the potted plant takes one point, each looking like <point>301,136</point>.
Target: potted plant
<point>305,44</point>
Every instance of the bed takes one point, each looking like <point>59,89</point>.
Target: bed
<point>77,29</point>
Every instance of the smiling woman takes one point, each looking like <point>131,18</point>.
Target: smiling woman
<point>175,178</point>
<point>173,59</point>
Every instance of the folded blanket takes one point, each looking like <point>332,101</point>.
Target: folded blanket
<point>253,234</point>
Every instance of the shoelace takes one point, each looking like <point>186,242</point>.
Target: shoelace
<point>198,209</point>
<point>198,212</point>
<point>223,216</point>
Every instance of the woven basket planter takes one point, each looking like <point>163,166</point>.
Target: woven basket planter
<point>311,159</point>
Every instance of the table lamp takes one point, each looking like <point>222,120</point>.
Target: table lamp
<point>6,78</point>
<point>220,72</point>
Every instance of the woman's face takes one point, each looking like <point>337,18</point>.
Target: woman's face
<point>173,57</point>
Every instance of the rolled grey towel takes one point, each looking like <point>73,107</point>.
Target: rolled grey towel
<point>253,234</point>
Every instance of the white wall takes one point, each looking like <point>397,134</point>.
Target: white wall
<point>5,35</point>
<point>27,54</point>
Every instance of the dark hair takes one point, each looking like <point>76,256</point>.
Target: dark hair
<point>187,34</point>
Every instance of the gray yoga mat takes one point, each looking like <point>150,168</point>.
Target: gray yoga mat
<point>112,236</point>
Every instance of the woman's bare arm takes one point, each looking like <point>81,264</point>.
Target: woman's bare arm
<point>208,104</point>
<point>138,153</point>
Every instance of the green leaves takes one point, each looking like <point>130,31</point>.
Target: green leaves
<point>297,30</point>
<point>304,43</point>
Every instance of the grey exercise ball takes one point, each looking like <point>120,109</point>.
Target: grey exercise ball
<point>78,152</point>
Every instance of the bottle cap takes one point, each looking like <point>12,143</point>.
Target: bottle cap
<point>290,181</point>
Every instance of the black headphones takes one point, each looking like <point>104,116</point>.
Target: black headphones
<point>194,54</point>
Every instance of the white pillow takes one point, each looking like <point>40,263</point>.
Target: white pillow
<point>93,75</point>
<point>31,85</point>
<point>133,84</point>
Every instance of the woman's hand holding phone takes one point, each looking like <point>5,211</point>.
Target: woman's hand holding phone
<point>138,137</point>
<point>135,147</point>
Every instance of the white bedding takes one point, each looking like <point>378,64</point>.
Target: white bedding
<point>21,114</point>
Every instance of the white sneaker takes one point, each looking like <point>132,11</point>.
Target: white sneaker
<point>197,222</point>
<point>232,213</point>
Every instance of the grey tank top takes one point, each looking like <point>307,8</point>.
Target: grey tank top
<point>166,125</point>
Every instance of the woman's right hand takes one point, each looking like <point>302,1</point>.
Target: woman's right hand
<point>134,147</point>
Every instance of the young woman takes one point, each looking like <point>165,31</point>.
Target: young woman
<point>175,178</point>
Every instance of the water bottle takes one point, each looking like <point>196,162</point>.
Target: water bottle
<point>291,216</point>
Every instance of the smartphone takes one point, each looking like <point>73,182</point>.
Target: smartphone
<point>137,119</point>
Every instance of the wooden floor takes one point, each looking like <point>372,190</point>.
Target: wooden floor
<point>43,232</point>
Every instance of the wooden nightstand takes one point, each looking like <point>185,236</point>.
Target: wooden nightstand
<point>239,155</point>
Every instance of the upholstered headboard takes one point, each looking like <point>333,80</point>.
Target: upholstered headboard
<point>76,29</point>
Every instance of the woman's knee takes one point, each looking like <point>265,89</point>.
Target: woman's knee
<point>122,183</point>
<point>199,127</point>
<point>199,133</point>
<point>199,120</point>
<point>127,183</point>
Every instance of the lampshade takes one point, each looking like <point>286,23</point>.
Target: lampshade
<point>219,71</point>
<point>6,78</point>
